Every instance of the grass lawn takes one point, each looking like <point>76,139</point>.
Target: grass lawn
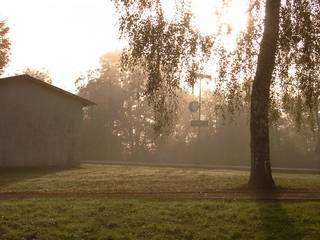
<point>158,219</point>
<point>113,178</point>
<point>103,218</point>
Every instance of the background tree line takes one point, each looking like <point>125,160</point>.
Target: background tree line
<point>121,126</point>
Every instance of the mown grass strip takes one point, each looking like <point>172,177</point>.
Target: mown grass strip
<point>158,219</point>
<point>113,178</point>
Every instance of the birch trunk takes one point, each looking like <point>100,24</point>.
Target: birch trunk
<point>261,175</point>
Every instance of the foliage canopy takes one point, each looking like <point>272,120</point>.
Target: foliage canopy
<point>171,48</point>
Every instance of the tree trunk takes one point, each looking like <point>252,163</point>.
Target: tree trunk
<point>261,176</point>
<point>317,148</point>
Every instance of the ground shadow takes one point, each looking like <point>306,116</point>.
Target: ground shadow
<point>12,175</point>
<point>275,221</point>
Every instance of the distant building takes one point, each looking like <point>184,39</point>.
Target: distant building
<point>39,123</point>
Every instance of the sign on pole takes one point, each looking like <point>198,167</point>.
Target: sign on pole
<point>193,106</point>
<point>199,123</point>
<point>201,75</point>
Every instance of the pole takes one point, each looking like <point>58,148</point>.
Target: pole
<point>199,108</point>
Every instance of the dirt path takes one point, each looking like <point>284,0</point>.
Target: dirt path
<point>240,195</point>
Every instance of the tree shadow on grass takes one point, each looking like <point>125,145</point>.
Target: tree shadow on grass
<point>13,175</point>
<point>275,221</point>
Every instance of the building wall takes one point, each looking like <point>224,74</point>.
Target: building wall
<point>38,126</point>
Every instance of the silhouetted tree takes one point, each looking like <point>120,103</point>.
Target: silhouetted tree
<point>42,74</point>
<point>120,126</point>
<point>100,135</point>
<point>4,45</point>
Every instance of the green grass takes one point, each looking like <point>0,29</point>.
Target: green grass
<point>112,178</point>
<point>156,219</point>
<point>84,218</point>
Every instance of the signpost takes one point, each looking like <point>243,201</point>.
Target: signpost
<point>195,106</point>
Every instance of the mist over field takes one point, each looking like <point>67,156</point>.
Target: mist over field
<point>121,127</point>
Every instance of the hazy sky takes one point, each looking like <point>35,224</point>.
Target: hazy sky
<point>64,36</point>
<point>67,37</point>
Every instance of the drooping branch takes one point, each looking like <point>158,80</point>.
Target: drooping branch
<point>167,50</point>
<point>298,59</point>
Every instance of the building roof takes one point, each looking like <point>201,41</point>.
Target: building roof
<point>26,77</point>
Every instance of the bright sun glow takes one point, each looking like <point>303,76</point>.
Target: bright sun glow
<point>206,18</point>
<point>67,37</point>
<point>206,21</point>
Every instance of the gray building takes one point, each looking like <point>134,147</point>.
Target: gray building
<point>39,123</point>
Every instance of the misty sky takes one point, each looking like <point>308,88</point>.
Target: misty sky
<point>67,37</point>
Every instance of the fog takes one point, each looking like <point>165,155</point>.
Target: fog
<point>120,127</point>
